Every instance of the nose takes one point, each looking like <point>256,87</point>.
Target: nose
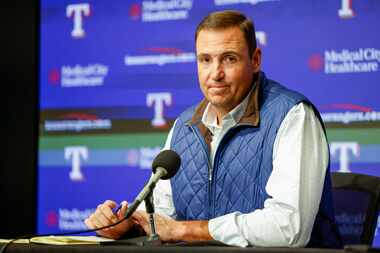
<point>217,72</point>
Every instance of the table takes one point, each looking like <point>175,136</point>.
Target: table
<point>173,248</point>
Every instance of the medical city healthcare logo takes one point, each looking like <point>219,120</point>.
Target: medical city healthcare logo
<point>361,60</point>
<point>67,219</point>
<point>79,75</point>
<point>161,10</point>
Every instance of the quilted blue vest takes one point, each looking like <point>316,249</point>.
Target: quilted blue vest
<point>242,165</point>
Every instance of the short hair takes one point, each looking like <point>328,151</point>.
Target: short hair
<point>227,19</point>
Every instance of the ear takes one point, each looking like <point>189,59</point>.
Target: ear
<point>256,60</point>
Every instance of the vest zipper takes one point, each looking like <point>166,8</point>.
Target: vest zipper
<point>217,156</point>
<point>208,165</point>
<point>211,170</point>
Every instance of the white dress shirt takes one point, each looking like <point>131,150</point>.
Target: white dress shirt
<point>300,157</point>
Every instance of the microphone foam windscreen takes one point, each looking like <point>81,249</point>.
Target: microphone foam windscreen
<point>169,160</point>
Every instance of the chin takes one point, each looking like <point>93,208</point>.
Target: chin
<point>218,103</point>
<point>219,98</point>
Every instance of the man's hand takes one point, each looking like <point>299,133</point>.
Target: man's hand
<point>171,230</point>
<point>103,216</point>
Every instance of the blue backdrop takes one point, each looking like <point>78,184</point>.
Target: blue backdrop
<point>115,74</point>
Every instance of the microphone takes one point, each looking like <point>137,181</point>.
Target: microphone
<point>164,166</point>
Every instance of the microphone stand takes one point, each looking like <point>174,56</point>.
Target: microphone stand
<point>154,238</point>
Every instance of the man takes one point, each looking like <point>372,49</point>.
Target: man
<point>255,160</point>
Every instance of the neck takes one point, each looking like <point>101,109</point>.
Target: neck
<point>220,113</point>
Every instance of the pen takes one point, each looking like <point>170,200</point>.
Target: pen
<point>116,209</point>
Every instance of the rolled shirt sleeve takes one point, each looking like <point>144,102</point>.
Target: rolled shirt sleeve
<point>300,157</point>
<point>162,194</point>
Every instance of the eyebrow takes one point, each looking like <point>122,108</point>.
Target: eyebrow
<point>230,52</point>
<point>222,54</point>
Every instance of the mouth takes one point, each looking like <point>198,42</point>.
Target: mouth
<point>217,86</point>
<point>217,89</point>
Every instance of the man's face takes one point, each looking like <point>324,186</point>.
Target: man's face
<point>225,69</point>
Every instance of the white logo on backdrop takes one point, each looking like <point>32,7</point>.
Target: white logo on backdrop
<point>75,154</point>
<point>72,219</point>
<point>161,10</point>
<point>361,60</point>
<point>345,10</point>
<point>261,38</point>
<point>160,59</point>
<point>344,149</point>
<point>76,125</point>
<point>78,11</point>
<point>253,2</point>
<point>147,155</point>
<point>349,117</point>
<point>83,76</point>
<point>159,100</point>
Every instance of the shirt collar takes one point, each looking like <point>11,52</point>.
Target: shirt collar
<point>209,117</point>
<point>251,115</point>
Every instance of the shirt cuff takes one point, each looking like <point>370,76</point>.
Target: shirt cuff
<point>225,230</point>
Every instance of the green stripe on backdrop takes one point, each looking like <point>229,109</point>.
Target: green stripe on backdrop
<point>104,141</point>
<point>360,135</point>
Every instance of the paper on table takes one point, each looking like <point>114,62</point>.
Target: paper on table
<point>69,240</point>
<point>17,241</point>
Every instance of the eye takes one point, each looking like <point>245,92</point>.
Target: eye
<point>230,59</point>
<point>204,59</point>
